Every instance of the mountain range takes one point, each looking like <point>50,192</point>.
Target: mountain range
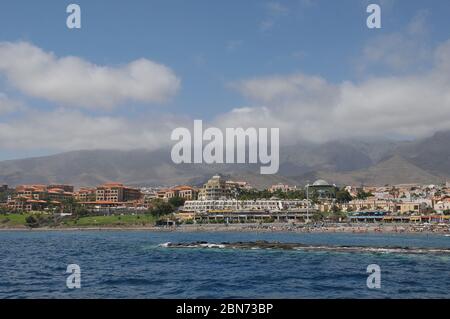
<point>349,162</point>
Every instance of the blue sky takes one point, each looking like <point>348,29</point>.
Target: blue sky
<point>212,45</point>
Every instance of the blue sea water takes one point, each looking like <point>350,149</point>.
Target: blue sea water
<point>130,264</point>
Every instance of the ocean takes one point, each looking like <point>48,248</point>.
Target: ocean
<point>132,264</point>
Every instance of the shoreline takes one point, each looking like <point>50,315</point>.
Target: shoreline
<point>276,228</point>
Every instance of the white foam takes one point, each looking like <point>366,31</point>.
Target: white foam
<point>212,245</point>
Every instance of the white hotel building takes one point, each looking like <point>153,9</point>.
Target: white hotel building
<point>262,205</point>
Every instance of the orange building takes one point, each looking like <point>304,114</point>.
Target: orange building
<point>116,192</point>
<point>186,192</point>
<point>85,195</point>
<point>38,197</point>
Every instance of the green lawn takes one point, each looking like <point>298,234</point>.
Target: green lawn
<point>13,220</point>
<point>18,220</point>
<point>126,220</point>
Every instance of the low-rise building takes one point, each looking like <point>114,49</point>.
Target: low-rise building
<point>185,192</point>
<point>268,205</point>
<point>394,206</point>
<point>26,204</point>
<point>282,188</point>
<point>404,208</point>
<point>43,193</point>
<point>442,206</point>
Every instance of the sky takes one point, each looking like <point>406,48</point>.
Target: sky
<point>136,70</point>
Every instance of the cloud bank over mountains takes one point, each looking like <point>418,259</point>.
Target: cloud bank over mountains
<point>304,107</point>
<point>312,108</point>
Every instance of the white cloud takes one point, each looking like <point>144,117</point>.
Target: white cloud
<point>64,130</point>
<point>72,81</point>
<point>276,89</point>
<point>8,105</point>
<point>310,108</point>
<point>400,51</point>
<point>303,107</point>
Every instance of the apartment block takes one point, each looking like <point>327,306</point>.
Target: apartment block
<point>262,205</point>
<point>85,195</point>
<point>38,197</point>
<point>26,204</point>
<point>215,189</point>
<point>116,192</point>
<point>186,192</point>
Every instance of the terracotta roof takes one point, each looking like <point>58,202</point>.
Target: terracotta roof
<point>102,202</point>
<point>183,188</point>
<point>113,185</point>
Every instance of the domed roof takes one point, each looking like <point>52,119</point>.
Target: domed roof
<point>320,182</point>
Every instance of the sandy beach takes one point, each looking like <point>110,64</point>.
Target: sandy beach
<point>301,228</point>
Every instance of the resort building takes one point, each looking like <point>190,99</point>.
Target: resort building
<point>37,197</point>
<point>442,206</point>
<point>85,194</point>
<point>59,195</point>
<point>42,192</point>
<point>185,192</point>
<point>394,206</point>
<point>243,205</point>
<point>65,188</point>
<point>404,208</point>
<point>116,193</point>
<point>282,188</point>
<point>38,192</point>
<point>215,189</point>
<point>26,204</point>
<point>322,190</point>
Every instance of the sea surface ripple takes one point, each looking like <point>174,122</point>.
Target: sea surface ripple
<point>132,264</point>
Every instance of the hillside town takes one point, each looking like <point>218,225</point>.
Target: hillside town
<point>225,201</point>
